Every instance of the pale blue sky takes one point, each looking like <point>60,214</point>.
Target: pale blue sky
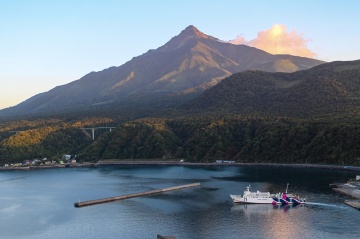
<point>45,43</point>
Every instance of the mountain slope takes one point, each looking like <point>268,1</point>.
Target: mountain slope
<point>190,62</point>
<point>326,89</point>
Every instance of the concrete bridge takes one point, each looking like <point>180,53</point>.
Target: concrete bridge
<point>91,128</point>
<point>94,128</point>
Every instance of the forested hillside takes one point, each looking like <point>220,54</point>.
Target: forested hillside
<point>331,89</point>
<point>244,139</point>
<point>251,138</point>
<point>45,138</point>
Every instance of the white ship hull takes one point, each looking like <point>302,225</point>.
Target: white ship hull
<point>241,199</point>
<point>266,198</point>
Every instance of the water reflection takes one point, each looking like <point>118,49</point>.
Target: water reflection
<point>273,221</point>
<point>263,208</point>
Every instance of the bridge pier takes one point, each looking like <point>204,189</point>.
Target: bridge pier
<point>94,128</point>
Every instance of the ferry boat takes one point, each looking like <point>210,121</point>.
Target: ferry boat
<point>267,198</point>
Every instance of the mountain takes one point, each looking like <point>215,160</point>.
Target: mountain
<point>186,65</point>
<point>330,88</point>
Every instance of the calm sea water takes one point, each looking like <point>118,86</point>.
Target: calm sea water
<point>40,203</point>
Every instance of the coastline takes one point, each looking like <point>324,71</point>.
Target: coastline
<point>101,163</point>
<point>47,167</point>
<point>178,163</point>
<point>352,191</point>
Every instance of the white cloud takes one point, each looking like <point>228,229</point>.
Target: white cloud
<point>277,40</point>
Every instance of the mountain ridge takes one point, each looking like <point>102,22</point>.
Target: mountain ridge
<point>189,63</point>
<point>331,88</point>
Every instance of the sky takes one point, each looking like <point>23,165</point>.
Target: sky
<point>45,43</point>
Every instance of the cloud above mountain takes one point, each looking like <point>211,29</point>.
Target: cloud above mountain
<point>277,40</point>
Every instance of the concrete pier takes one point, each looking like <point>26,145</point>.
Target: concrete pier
<point>352,189</point>
<point>353,203</point>
<point>352,192</point>
<point>118,198</point>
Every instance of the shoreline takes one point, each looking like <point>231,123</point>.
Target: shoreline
<point>177,163</point>
<point>47,167</point>
<point>101,163</point>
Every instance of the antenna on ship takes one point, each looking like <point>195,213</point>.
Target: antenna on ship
<point>287,185</point>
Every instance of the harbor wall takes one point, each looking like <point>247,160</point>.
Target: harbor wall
<point>123,197</point>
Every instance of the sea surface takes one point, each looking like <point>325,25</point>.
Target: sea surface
<point>40,203</point>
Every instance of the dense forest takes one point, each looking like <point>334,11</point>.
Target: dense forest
<point>243,139</point>
<point>198,139</point>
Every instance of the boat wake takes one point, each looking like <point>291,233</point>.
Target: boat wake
<point>11,179</point>
<point>325,204</point>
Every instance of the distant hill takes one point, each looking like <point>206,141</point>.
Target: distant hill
<point>331,88</point>
<point>309,116</point>
<point>188,64</point>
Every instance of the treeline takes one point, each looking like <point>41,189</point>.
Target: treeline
<point>251,138</point>
<point>243,139</point>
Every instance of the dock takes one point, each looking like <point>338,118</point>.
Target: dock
<point>123,197</point>
<point>353,203</point>
<point>351,189</point>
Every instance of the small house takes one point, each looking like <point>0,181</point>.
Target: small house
<point>66,156</point>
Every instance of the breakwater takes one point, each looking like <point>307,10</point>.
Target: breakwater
<point>352,189</point>
<point>123,197</point>
<point>353,203</point>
